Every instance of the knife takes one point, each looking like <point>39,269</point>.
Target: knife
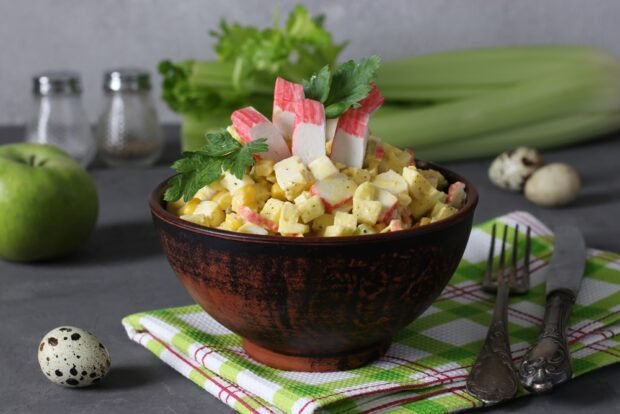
<point>548,363</point>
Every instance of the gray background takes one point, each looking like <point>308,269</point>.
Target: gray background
<point>90,36</point>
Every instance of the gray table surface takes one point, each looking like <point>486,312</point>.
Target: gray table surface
<point>122,270</point>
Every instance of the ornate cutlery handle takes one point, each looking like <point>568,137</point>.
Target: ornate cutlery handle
<point>493,378</point>
<point>547,363</point>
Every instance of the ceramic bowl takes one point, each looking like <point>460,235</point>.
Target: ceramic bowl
<point>315,303</point>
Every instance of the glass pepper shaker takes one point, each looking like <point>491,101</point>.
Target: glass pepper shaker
<point>59,118</point>
<point>128,131</point>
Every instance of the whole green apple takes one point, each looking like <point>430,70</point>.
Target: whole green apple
<point>48,202</point>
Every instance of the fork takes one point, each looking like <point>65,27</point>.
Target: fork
<point>493,377</point>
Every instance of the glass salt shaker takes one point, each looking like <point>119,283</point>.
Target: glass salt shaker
<point>128,131</point>
<point>59,118</point>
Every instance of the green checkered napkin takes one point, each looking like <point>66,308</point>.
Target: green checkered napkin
<point>424,371</point>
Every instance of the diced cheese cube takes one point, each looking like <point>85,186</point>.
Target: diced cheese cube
<point>271,210</point>
<point>404,199</point>
<point>366,191</point>
<point>418,186</point>
<point>367,211</point>
<point>245,196</point>
<point>424,194</point>
<point>292,176</point>
<point>322,222</point>
<point>213,214</point>
<point>435,178</point>
<point>335,231</point>
<point>232,183</point>
<point>310,208</point>
<point>302,197</point>
<point>357,174</point>
<point>189,207</point>
<point>419,207</point>
<point>442,211</point>
<point>250,228</point>
<point>391,181</point>
<point>346,221</point>
<point>394,158</point>
<point>293,229</point>
<point>322,168</point>
<point>288,214</point>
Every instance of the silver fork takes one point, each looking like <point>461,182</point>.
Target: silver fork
<point>493,377</point>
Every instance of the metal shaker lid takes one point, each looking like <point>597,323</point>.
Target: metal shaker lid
<point>126,79</point>
<point>57,83</point>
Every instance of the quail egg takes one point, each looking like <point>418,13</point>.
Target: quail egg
<point>553,185</point>
<point>511,169</point>
<point>73,357</point>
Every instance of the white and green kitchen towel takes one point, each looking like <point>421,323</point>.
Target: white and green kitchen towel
<point>424,370</point>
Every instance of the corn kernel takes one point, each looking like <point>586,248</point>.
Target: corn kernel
<point>277,193</point>
<point>223,199</point>
<point>244,196</point>
<point>189,208</point>
<point>263,168</point>
<point>233,221</point>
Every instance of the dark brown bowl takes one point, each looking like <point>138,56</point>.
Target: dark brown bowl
<point>314,303</point>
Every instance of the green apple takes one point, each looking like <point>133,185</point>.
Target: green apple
<point>48,203</point>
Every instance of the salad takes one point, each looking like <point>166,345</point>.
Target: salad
<point>313,170</point>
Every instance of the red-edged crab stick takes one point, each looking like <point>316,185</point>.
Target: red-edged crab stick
<point>351,136</point>
<point>285,95</point>
<point>309,130</point>
<point>252,125</point>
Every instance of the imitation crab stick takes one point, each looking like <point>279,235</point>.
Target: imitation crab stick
<point>351,136</point>
<point>285,95</point>
<point>252,125</point>
<point>309,130</point>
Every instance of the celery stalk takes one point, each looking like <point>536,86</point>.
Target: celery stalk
<point>582,89</point>
<point>563,130</point>
<point>195,128</point>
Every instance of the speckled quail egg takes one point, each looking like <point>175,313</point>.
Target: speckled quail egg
<point>73,357</point>
<point>511,169</point>
<point>553,185</point>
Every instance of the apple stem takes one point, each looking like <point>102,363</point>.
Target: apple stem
<point>32,161</point>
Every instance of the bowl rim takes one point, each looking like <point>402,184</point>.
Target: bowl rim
<point>158,210</point>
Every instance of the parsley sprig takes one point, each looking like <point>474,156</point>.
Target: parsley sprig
<point>198,168</point>
<point>345,87</point>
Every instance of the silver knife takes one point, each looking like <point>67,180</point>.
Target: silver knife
<point>548,363</point>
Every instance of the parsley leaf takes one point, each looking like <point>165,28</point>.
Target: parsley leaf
<point>350,84</point>
<point>220,143</point>
<point>317,87</point>
<point>198,168</point>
